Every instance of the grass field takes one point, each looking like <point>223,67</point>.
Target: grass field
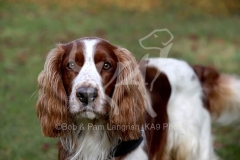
<point>29,30</point>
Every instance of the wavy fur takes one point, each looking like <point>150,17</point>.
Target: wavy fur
<point>222,93</point>
<point>129,96</point>
<point>52,104</point>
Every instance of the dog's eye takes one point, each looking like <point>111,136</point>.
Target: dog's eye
<point>71,65</point>
<point>106,66</point>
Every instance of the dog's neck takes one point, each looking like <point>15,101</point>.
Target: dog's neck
<point>89,140</point>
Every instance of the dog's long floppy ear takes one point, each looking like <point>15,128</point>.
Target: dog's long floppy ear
<point>52,101</point>
<point>129,98</point>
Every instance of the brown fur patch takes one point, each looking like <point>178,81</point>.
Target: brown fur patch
<point>129,97</point>
<point>73,53</point>
<point>157,139</point>
<point>105,53</point>
<point>52,104</point>
<point>215,87</point>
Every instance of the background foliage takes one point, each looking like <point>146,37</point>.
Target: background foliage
<point>205,32</point>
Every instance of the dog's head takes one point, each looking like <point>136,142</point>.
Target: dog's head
<point>91,79</point>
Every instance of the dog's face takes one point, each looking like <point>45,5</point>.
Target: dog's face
<point>88,67</point>
<point>91,79</point>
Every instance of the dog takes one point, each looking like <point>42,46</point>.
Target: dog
<point>97,100</point>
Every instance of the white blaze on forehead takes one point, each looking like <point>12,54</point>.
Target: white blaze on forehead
<point>89,47</point>
<point>88,74</point>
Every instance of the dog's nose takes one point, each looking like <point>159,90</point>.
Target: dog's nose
<point>86,94</point>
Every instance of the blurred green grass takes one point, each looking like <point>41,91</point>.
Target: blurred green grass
<point>30,30</point>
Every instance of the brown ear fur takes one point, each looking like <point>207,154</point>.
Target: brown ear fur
<point>52,103</point>
<point>130,97</point>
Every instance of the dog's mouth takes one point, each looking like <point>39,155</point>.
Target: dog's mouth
<point>88,113</point>
<point>86,110</point>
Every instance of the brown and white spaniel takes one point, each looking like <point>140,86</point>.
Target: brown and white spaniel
<point>92,95</point>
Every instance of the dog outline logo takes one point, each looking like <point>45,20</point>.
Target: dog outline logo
<point>163,51</point>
